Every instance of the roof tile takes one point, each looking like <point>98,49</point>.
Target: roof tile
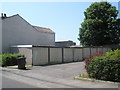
<point>43,29</point>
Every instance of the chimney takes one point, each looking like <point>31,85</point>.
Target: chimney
<point>3,15</point>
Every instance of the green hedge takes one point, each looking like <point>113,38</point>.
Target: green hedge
<point>106,67</point>
<point>8,59</point>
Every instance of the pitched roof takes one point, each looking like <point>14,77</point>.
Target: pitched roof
<point>9,16</point>
<point>47,30</point>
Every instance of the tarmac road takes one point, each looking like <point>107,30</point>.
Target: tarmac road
<point>54,76</point>
<point>11,83</point>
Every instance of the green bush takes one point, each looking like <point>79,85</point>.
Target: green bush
<point>0,60</point>
<point>106,67</point>
<point>9,59</point>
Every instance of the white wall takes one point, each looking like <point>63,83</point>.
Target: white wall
<point>0,36</point>
<point>86,52</point>
<point>105,50</point>
<point>68,54</point>
<point>43,55</point>
<point>78,54</point>
<point>100,49</point>
<point>94,51</point>
<point>40,56</point>
<point>26,51</point>
<point>17,31</point>
<point>55,55</point>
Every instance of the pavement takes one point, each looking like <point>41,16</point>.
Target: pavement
<point>54,76</point>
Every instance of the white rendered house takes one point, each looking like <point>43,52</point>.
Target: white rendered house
<point>17,31</point>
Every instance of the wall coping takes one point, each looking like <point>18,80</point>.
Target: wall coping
<point>25,46</point>
<point>20,46</point>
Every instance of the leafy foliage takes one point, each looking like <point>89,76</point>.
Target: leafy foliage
<point>88,59</point>
<point>100,25</point>
<point>9,59</point>
<point>105,67</point>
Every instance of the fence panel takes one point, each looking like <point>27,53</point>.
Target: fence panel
<point>40,55</point>
<point>78,54</point>
<point>55,55</point>
<point>93,51</point>
<point>86,52</point>
<point>68,54</point>
<point>105,50</point>
<point>100,49</point>
<point>108,49</point>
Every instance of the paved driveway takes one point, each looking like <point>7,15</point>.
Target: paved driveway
<point>66,71</point>
<point>55,76</point>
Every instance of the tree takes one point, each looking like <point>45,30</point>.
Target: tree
<point>98,27</point>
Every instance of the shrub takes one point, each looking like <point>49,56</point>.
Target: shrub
<point>106,67</point>
<point>0,60</point>
<point>9,59</point>
<point>89,58</point>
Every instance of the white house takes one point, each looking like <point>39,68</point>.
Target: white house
<point>0,35</point>
<point>17,31</point>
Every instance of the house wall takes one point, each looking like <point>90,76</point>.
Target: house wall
<point>0,36</point>
<point>16,31</point>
